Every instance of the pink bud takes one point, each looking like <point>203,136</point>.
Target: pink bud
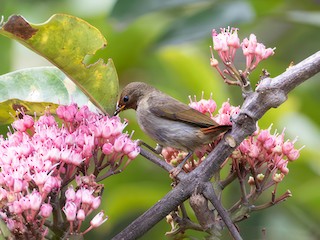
<point>252,43</point>
<point>28,121</point>
<point>96,202</point>
<point>70,112</point>
<point>214,62</point>
<point>133,154</point>
<point>107,148</point>
<point>46,210</point>
<point>81,215</point>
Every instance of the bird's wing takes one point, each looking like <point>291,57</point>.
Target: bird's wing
<point>177,111</point>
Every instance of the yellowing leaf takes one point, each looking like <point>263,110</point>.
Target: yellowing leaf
<point>65,41</point>
<point>10,108</point>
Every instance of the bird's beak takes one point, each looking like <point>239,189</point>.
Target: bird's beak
<point>119,109</point>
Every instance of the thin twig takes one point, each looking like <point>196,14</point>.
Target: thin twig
<point>212,197</point>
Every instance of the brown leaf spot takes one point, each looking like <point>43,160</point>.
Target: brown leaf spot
<point>20,109</point>
<point>18,26</point>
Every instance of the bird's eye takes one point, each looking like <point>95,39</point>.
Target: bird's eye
<point>125,98</point>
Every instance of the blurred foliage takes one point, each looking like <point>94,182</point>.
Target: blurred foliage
<point>165,43</point>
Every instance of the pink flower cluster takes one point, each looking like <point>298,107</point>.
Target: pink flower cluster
<point>81,202</point>
<point>39,159</point>
<point>254,52</point>
<point>226,44</point>
<point>204,105</point>
<point>264,150</point>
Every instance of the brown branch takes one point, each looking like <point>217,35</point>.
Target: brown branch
<point>211,195</point>
<point>270,93</point>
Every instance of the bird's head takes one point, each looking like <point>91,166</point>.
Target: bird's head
<point>130,96</point>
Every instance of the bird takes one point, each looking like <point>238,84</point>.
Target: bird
<point>168,121</point>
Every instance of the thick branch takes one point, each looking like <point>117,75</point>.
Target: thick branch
<point>270,93</point>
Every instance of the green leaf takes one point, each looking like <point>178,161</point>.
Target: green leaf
<point>66,41</point>
<point>34,89</point>
<point>4,231</point>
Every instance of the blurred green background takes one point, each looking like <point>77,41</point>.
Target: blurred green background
<point>166,43</point>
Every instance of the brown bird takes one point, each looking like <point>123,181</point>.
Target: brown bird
<point>168,121</point>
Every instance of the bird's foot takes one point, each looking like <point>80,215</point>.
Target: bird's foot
<point>156,150</point>
<point>173,173</point>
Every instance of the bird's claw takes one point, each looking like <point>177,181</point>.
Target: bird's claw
<point>174,172</point>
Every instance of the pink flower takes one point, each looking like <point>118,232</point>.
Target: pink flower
<point>119,143</point>
<point>203,106</point>
<point>226,43</point>
<point>134,153</point>
<point>35,200</point>
<point>268,151</point>
<point>293,155</point>
<point>25,203</point>
<point>70,210</point>
<point>263,135</point>
<point>16,207</point>
<point>36,163</point>
<point>98,220</point>
<point>19,125</point>
<point>52,183</point>
<point>86,196</point>
<point>17,185</point>
<point>67,113</point>
<point>70,194</point>
<point>23,124</point>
